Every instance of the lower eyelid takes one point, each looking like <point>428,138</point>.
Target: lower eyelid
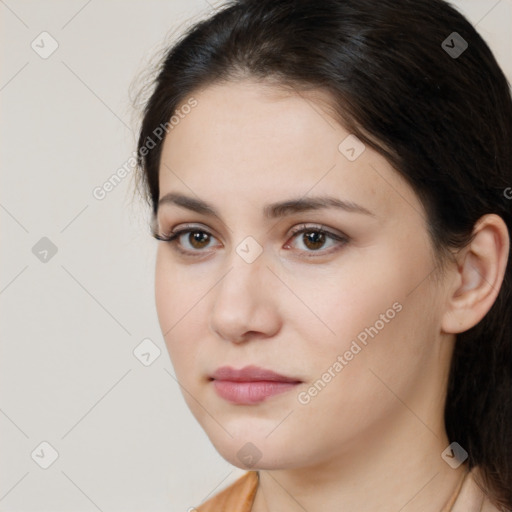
<point>191,252</point>
<point>340,240</point>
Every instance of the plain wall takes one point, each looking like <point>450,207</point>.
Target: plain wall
<point>125,438</point>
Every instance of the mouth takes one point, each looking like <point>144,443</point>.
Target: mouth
<point>251,384</point>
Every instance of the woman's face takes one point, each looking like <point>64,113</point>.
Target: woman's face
<point>352,316</point>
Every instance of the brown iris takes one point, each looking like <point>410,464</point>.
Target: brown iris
<point>314,237</point>
<point>198,237</point>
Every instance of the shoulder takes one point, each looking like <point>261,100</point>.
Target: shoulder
<point>238,497</point>
<point>472,497</point>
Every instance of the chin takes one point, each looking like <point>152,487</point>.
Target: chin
<point>256,451</point>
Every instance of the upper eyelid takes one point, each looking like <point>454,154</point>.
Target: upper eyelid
<point>296,230</point>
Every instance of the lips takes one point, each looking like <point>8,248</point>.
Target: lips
<point>250,385</point>
<point>250,374</point>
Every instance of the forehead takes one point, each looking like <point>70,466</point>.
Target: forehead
<point>255,142</point>
<point>243,116</point>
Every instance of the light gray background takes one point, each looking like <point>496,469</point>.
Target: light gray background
<point>125,439</point>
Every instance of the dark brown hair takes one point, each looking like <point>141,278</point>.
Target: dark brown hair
<point>440,112</point>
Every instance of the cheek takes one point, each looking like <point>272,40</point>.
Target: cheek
<point>367,311</point>
<point>178,302</point>
<point>178,288</point>
<point>166,294</point>
<point>338,305</point>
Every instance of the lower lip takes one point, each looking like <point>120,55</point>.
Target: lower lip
<point>250,392</point>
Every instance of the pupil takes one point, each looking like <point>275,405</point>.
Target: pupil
<point>198,236</point>
<point>317,238</point>
<point>313,239</point>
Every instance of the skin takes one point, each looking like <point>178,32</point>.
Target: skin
<point>372,438</point>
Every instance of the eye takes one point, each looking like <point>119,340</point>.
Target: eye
<point>197,239</point>
<point>315,237</point>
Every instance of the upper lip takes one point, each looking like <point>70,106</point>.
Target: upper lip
<point>250,374</point>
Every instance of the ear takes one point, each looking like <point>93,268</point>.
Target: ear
<point>478,277</point>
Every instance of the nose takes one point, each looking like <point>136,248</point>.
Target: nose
<point>245,304</point>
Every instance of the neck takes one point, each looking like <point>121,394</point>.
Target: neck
<point>397,469</point>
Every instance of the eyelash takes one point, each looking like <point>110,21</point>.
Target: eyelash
<point>172,238</point>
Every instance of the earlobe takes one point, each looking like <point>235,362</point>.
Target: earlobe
<point>479,275</point>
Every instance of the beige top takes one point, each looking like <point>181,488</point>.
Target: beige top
<point>239,496</point>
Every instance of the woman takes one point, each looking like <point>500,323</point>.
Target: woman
<point>330,183</point>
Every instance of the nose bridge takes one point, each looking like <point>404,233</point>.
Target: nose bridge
<point>247,264</point>
<point>243,300</point>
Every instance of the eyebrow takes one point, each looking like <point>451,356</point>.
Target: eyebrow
<point>270,211</point>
